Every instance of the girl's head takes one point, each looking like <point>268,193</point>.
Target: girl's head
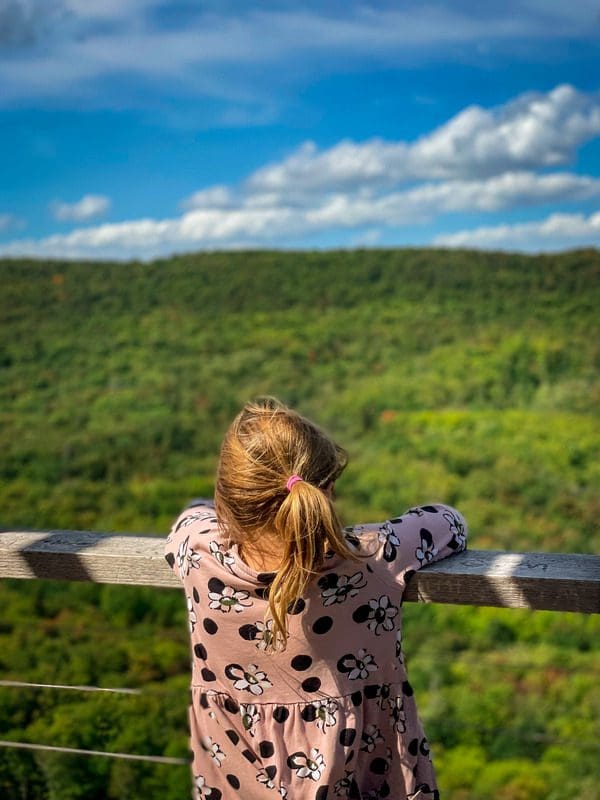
<point>266,445</point>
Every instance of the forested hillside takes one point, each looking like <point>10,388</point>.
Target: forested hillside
<point>466,377</point>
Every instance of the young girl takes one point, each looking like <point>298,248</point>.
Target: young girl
<point>299,688</point>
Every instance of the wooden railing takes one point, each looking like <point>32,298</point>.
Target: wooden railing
<point>550,581</point>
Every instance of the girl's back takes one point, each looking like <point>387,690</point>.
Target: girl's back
<point>330,714</point>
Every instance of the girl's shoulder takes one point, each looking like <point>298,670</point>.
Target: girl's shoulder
<point>193,531</point>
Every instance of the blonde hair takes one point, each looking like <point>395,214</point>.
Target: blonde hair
<point>265,445</point>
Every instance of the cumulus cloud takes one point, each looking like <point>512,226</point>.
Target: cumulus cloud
<point>480,162</point>
<point>228,225</point>
<point>555,232</point>
<point>535,130</point>
<point>89,207</point>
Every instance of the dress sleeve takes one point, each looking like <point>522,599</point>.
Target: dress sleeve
<point>182,550</point>
<point>420,536</point>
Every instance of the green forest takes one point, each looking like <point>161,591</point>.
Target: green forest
<point>464,377</point>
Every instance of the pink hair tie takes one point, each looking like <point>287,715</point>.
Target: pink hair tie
<point>292,480</point>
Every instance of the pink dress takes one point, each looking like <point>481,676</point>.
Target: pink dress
<point>333,715</point>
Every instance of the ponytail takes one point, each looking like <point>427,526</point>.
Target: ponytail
<point>308,525</point>
<point>259,495</point>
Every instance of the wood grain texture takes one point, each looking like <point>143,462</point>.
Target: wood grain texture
<point>553,581</point>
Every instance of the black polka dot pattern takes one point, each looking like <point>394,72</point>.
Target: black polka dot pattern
<point>347,737</point>
<point>248,632</point>
<point>311,684</point>
<point>232,706</point>
<point>356,697</point>
<point>210,626</point>
<point>200,651</point>
<point>300,663</point>
<point>379,766</point>
<point>233,781</point>
<point>322,625</point>
<point>208,675</point>
<point>280,714</point>
<point>215,585</point>
<point>266,749</point>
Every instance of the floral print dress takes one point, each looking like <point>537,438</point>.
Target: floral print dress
<point>331,716</point>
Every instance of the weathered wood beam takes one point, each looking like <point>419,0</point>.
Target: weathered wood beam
<point>553,581</point>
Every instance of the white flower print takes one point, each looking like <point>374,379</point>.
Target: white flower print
<point>398,716</point>
<point>221,555</point>
<point>457,529</point>
<point>187,560</point>
<point>182,557</point>
<point>338,588</point>
<point>283,792</point>
<point>308,766</point>
<point>229,599</point>
<point>200,787</point>
<point>263,777</point>
<point>191,613</point>
<point>214,751</point>
<point>371,736</point>
<point>358,666</point>
<point>251,679</point>
<point>191,518</point>
<point>264,635</point>
<point>426,551</point>
<point>250,716</point>
<point>388,536</point>
<point>381,615</point>
<point>326,710</point>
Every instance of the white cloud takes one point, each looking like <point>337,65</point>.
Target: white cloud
<point>57,48</point>
<point>535,130</point>
<point>238,219</point>
<point>556,232</point>
<point>213,197</point>
<point>89,207</point>
<point>474,164</point>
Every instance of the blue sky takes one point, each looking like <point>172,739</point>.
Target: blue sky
<point>140,128</point>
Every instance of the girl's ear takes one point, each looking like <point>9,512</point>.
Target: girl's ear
<point>330,490</point>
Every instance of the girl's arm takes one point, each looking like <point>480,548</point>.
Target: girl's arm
<point>420,536</point>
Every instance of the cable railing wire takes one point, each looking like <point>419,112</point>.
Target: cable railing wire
<point>80,752</point>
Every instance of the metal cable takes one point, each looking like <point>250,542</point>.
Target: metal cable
<point>24,685</point>
<point>76,751</point>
